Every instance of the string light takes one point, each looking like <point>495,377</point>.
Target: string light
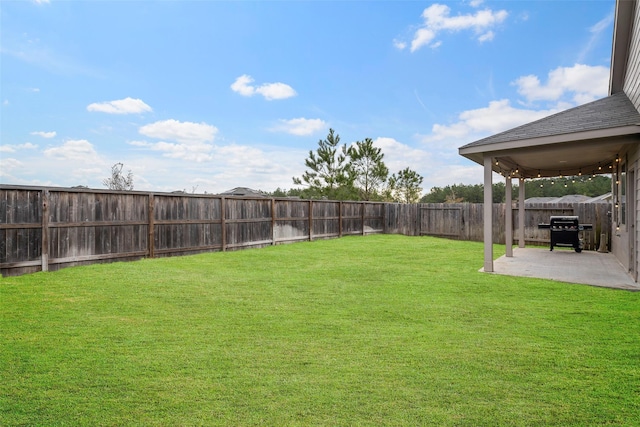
<point>539,174</point>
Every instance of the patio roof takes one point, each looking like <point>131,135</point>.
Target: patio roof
<point>585,139</point>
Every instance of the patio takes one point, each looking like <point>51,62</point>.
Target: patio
<point>565,265</point>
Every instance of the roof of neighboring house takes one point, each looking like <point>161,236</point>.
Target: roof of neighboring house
<point>604,198</point>
<point>611,112</point>
<point>243,191</point>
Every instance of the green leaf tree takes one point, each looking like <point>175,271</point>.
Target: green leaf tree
<point>368,168</point>
<point>404,187</point>
<point>328,174</point>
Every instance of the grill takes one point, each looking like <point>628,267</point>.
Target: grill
<point>565,231</point>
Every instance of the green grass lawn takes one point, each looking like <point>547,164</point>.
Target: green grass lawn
<point>376,330</point>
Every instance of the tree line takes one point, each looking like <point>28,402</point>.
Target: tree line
<point>336,171</point>
<point>542,187</point>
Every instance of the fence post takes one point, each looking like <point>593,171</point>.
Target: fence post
<point>362,205</point>
<point>310,220</point>
<point>152,215</point>
<point>339,219</point>
<point>273,222</point>
<point>384,218</point>
<point>223,229</point>
<point>44,249</point>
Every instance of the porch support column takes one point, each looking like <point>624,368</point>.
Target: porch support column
<point>521,213</point>
<point>488,215</point>
<point>508,218</point>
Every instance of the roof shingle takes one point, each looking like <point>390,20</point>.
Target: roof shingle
<point>610,112</point>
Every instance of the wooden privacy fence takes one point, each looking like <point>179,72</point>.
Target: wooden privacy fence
<point>45,229</point>
<point>50,228</point>
<point>464,221</point>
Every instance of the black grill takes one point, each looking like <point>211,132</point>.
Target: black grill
<point>565,231</point>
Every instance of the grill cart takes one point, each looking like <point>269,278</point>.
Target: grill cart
<point>565,231</point>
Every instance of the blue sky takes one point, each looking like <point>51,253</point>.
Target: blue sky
<point>206,96</point>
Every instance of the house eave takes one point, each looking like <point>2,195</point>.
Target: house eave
<point>477,151</point>
<point>621,44</point>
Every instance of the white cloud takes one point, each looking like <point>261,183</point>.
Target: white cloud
<point>121,106</point>
<point>51,134</point>
<point>437,18</point>
<point>184,132</point>
<point>497,117</point>
<point>273,91</point>
<point>269,91</point>
<point>580,83</point>
<point>33,51</point>
<point>399,44</point>
<point>422,37</point>
<point>300,126</point>
<point>488,36</point>
<point>596,31</point>
<point>190,141</point>
<point>14,148</point>
<point>242,85</point>
<point>603,24</point>
<point>9,164</point>
<point>199,152</point>
<point>79,150</point>
<point>398,156</point>
<point>586,83</point>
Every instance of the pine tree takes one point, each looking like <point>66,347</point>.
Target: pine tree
<point>367,168</point>
<point>405,186</point>
<point>328,174</point>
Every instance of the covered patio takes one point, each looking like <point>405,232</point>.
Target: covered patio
<point>585,140</point>
<point>586,268</point>
<point>600,137</point>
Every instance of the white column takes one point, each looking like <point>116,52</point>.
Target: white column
<point>488,215</point>
<point>521,214</point>
<point>508,218</point>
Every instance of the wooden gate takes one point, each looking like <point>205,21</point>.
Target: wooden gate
<point>442,220</point>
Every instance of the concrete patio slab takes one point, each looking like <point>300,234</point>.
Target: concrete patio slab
<point>566,265</point>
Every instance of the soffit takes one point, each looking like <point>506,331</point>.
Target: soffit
<point>574,141</point>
